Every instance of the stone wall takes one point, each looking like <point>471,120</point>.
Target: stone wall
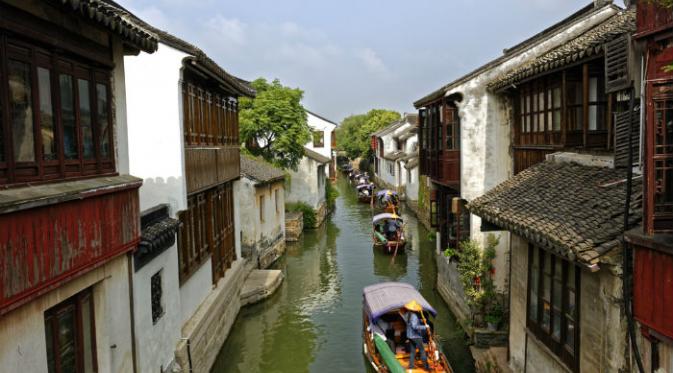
<point>205,332</point>
<point>451,290</point>
<point>320,214</point>
<point>271,252</point>
<point>294,225</point>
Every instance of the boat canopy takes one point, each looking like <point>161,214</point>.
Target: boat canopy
<point>386,297</point>
<point>385,215</point>
<point>385,192</point>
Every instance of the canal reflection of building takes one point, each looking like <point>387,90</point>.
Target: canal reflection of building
<point>285,328</point>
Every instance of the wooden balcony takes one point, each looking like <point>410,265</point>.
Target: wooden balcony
<point>55,232</point>
<point>442,166</point>
<point>208,166</point>
<point>652,19</point>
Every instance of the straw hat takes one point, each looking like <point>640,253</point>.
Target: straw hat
<point>413,306</point>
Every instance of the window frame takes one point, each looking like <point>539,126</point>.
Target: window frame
<point>320,137</point>
<point>209,113</point>
<point>207,231</point>
<point>75,305</point>
<point>569,356</point>
<point>38,57</point>
<point>261,209</point>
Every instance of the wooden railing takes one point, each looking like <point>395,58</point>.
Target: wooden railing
<point>208,166</point>
<point>44,247</point>
<point>652,18</point>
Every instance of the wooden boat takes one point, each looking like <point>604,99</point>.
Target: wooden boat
<point>387,201</point>
<point>387,240</point>
<point>384,329</point>
<point>365,192</point>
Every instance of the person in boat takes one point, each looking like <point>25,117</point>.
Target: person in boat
<point>391,228</point>
<point>414,332</point>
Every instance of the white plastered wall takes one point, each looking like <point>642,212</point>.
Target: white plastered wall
<point>26,349</point>
<point>304,186</point>
<point>156,154</point>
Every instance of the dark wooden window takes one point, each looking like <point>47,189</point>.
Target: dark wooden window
<point>333,139</point>
<point>55,120</point>
<point>553,304</point>
<point>207,229</point>
<point>451,121</point>
<point>458,222</point>
<point>70,335</point>
<point>261,209</point>
<point>210,116</point>
<point>663,154</point>
<point>567,109</point>
<point>318,139</point>
<point>156,296</point>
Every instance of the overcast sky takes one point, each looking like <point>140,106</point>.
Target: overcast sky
<point>353,55</point>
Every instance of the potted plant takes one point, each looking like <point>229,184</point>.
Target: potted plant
<point>494,315</point>
<point>451,254</point>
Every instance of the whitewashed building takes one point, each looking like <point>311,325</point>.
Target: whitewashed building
<point>261,194</point>
<point>69,214</point>
<point>395,148</point>
<point>466,148</point>
<point>323,140</point>
<point>307,183</point>
<point>183,143</point>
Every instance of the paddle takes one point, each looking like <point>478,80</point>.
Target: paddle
<point>431,343</point>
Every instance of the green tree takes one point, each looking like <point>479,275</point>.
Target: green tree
<point>355,131</point>
<point>276,122</point>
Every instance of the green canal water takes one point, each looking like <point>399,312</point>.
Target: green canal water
<point>314,321</point>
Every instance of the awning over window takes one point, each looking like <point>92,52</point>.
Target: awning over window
<point>573,210</point>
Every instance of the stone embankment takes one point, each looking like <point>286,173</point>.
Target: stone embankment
<point>260,284</point>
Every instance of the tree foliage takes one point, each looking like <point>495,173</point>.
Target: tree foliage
<point>354,131</point>
<point>275,121</point>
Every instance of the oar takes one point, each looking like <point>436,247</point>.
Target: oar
<point>431,342</point>
<point>397,244</point>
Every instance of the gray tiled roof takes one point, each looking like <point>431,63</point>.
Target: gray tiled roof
<point>575,211</point>
<point>116,19</point>
<point>411,163</point>
<point>315,156</point>
<point>393,156</point>
<point>260,171</point>
<point>586,45</point>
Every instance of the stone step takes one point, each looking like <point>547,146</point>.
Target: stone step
<point>260,284</point>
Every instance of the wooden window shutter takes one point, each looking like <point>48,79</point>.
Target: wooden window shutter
<point>617,58</point>
<point>434,218</point>
<point>622,137</point>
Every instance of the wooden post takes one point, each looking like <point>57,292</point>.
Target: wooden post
<point>564,108</point>
<point>585,104</point>
<point>609,123</point>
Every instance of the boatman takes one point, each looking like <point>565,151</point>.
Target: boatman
<point>414,329</point>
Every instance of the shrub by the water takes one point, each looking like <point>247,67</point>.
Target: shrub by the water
<point>309,214</point>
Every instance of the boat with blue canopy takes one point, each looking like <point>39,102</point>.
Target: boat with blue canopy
<point>365,192</point>
<point>387,200</point>
<point>384,319</point>
<point>388,233</point>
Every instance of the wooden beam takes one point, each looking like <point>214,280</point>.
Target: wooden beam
<point>609,123</point>
<point>564,104</point>
<point>585,104</point>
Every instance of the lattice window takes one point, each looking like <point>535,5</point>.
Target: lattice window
<point>156,295</point>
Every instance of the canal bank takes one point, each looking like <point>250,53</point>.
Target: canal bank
<point>313,323</point>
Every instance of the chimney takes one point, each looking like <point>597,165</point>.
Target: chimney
<point>601,3</point>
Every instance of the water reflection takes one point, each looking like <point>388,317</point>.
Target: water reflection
<point>313,323</point>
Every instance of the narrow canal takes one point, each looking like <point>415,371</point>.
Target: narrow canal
<point>314,321</point>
